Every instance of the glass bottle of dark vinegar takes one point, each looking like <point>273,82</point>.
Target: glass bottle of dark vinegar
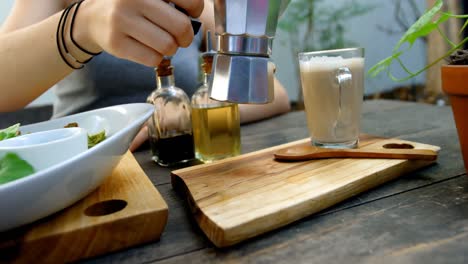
<point>170,127</point>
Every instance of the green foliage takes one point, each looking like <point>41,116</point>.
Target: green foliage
<point>10,132</point>
<point>422,27</point>
<point>431,20</point>
<point>296,14</point>
<point>12,167</point>
<point>312,25</point>
<point>332,24</point>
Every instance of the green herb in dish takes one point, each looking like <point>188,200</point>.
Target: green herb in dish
<point>74,124</point>
<point>94,139</point>
<point>10,132</point>
<point>12,167</point>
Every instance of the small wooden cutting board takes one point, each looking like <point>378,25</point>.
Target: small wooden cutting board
<point>244,196</point>
<point>124,211</point>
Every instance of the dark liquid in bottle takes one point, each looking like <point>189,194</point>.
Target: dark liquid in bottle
<point>173,150</point>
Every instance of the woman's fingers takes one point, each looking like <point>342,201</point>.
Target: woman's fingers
<point>154,37</point>
<point>131,49</point>
<point>171,20</point>
<point>138,30</point>
<point>194,8</point>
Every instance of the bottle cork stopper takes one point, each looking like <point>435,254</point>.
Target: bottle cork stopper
<point>164,68</point>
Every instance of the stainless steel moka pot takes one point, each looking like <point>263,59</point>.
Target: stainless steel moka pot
<point>242,70</point>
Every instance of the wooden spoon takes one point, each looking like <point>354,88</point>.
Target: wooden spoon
<point>307,152</point>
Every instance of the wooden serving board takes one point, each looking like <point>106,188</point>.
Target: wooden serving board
<point>244,196</point>
<point>124,211</point>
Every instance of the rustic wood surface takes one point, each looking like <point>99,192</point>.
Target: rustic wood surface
<point>126,210</point>
<point>241,197</point>
<point>419,218</point>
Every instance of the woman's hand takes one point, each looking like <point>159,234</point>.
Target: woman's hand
<point>139,30</point>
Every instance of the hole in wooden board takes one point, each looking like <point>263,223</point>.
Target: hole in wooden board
<point>105,207</point>
<point>398,146</point>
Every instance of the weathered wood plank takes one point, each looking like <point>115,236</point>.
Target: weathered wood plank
<point>417,122</point>
<point>423,123</point>
<point>181,235</point>
<point>128,211</point>
<point>242,197</point>
<point>427,225</point>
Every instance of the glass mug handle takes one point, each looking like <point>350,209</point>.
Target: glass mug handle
<point>343,79</point>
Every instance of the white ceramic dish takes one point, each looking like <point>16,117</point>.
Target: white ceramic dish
<point>46,148</point>
<point>38,195</point>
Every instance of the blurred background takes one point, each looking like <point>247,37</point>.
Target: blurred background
<point>376,25</point>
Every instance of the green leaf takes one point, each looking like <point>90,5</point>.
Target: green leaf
<point>10,132</point>
<point>423,26</point>
<point>93,140</point>
<point>12,167</point>
<point>383,65</point>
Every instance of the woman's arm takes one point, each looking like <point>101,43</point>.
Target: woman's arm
<point>280,105</point>
<point>31,62</point>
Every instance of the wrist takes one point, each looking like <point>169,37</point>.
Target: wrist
<point>81,31</point>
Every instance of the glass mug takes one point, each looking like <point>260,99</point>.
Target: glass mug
<point>333,87</point>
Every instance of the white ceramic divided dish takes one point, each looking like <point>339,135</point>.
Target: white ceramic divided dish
<point>47,148</point>
<point>50,190</point>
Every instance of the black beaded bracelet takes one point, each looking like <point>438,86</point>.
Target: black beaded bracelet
<point>68,10</point>
<point>59,39</point>
<point>71,32</point>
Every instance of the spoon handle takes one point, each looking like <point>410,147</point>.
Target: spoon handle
<point>301,153</point>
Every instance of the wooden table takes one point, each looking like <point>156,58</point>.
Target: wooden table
<point>419,218</point>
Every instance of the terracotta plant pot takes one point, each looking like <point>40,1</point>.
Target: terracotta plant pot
<point>455,85</point>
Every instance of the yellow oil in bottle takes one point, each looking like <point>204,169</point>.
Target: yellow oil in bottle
<point>216,131</point>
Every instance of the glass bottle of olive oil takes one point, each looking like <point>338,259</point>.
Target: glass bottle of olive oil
<point>170,127</point>
<point>216,125</point>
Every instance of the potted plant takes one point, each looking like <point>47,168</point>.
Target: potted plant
<point>454,75</point>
